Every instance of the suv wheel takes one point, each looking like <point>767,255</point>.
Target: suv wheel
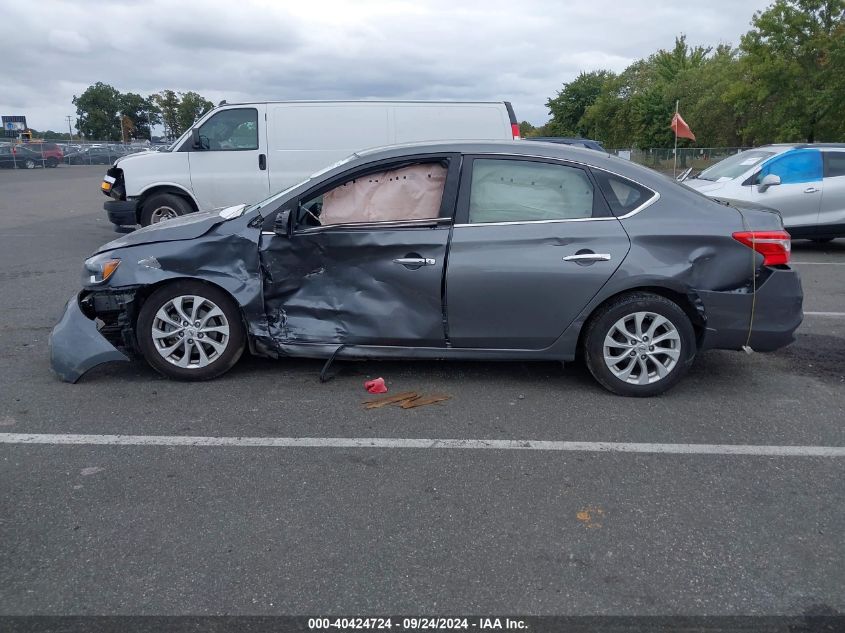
<point>163,206</point>
<point>189,330</point>
<point>641,344</point>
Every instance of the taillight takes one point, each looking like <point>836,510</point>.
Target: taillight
<point>515,130</point>
<point>774,246</point>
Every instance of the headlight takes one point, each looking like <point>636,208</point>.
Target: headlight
<point>98,269</point>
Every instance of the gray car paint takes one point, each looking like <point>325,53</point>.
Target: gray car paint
<point>338,291</point>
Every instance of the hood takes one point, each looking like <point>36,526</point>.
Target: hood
<point>186,227</point>
<point>704,186</point>
<point>145,155</point>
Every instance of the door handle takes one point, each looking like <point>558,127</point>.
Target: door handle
<point>810,190</point>
<point>588,257</point>
<point>262,161</point>
<point>415,261</point>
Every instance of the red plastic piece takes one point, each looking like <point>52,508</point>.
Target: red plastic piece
<point>376,385</point>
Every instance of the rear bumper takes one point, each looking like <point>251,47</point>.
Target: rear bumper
<point>76,345</point>
<point>777,313</point>
<point>122,212</point>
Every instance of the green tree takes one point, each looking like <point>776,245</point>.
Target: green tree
<point>98,112</point>
<point>191,107</point>
<point>571,102</point>
<point>792,72</point>
<point>141,112</point>
<point>167,102</point>
<point>526,129</point>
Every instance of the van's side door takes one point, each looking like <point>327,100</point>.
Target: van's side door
<point>231,166</point>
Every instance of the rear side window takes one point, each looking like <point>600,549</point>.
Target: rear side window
<point>622,195</point>
<point>802,165</point>
<point>528,191</point>
<point>834,164</point>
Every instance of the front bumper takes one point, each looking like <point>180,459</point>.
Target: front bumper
<point>777,313</point>
<point>77,346</point>
<point>122,212</point>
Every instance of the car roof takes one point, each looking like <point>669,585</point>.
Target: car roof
<point>537,149</point>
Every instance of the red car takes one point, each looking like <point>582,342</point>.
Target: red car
<point>31,155</point>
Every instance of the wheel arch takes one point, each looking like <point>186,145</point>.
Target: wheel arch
<point>685,298</point>
<point>144,292</point>
<point>174,189</point>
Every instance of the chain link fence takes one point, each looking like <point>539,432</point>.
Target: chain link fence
<point>46,153</point>
<point>663,159</point>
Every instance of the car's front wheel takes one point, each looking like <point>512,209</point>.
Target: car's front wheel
<point>189,330</point>
<point>640,344</point>
<point>29,163</point>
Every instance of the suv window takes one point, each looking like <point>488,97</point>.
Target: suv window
<point>622,195</point>
<point>505,190</point>
<point>231,130</point>
<point>834,164</point>
<point>800,165</point>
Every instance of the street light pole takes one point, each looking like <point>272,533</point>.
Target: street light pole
<point>69,128</point>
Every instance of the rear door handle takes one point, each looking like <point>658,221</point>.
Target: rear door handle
<point>588,257</point>
<point>262,161</point>
<point>415,261</point>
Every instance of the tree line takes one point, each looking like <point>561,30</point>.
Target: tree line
<point>106,114</point>
<point>785,82</point>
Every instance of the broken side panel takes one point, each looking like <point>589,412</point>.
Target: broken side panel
<point>364,285</point>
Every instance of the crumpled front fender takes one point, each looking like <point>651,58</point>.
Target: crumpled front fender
<point>76,345</point>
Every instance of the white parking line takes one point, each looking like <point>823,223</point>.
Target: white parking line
<point>834,315</point>
<point>414,443</point>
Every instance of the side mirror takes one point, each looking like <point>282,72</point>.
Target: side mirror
<point>769,180</point>
<point>196,141</point>
<point>282,224</point>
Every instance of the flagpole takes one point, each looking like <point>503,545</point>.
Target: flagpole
<point>675,165</point>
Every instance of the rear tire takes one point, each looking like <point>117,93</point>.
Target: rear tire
<point>29,163</point>
<point>163,206</point>
<point>52,162</point>
<point>207,347</point>
<point>641,344</point>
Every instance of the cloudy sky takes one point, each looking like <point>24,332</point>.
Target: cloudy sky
<point>357,49</point>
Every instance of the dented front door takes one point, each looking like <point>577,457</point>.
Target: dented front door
<point>375,284</point>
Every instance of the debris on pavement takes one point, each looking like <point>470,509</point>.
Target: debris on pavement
<point>376,385</point>
<point>406,400</point>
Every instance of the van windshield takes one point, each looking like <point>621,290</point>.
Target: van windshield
<point>735,166</point>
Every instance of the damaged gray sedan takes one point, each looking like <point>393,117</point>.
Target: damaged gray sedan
<point>500,251</point>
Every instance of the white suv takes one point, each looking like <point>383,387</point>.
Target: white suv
<point>805,182</point>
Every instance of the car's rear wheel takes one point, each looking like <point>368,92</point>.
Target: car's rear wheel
<point>163,206</point>
<point>29,163</point>
<point>52,162</point>
<point>640,344</point>
<point>189,330</point>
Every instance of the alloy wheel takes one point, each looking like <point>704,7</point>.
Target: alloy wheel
<point>162,213</point>
<point>642,348</point>
<point>190,331</point>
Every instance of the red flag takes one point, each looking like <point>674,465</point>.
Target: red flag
<point>680,127</point>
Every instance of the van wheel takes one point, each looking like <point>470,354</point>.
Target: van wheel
<point>163,206</point>
<point>639,345</point>
<point>189,330</point>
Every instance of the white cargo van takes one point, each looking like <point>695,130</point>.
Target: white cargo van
<point>241,153</point>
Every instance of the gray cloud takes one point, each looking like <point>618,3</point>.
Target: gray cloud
<point>435,49</point>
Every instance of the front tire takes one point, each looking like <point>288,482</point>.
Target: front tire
<point>29,163</point>
<point>163,206</point>
<point>641,344</point>
<point>188,330</point>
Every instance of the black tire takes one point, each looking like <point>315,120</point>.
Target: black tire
<point>163,203</point>
<point>29,163</point>
<point>220,363</point>
<point>602,324</point>
<point>52,162</point>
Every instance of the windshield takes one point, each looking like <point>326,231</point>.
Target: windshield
<point>735,166</point>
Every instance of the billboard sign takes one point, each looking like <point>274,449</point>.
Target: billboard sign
<point>13,125</point>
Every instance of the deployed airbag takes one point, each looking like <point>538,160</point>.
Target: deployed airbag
<point>408,193</point>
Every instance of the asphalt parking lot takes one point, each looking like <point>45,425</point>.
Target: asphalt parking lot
<point>178,529</point>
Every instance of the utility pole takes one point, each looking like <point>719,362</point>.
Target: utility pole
<point>69,128</point>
